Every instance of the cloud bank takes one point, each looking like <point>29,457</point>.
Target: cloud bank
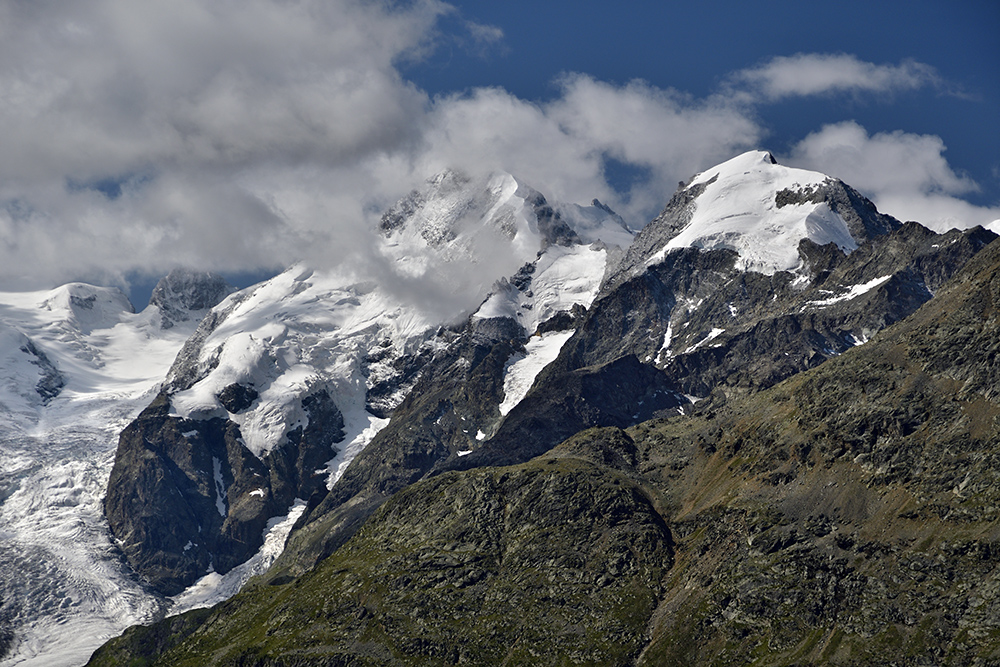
<point>906,175</point>
<point>238,136</point>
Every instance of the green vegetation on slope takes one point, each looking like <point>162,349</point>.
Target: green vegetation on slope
<point>848,516</point>
<point>555,560</point>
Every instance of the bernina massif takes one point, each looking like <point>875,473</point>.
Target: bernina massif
<point>763,429</point>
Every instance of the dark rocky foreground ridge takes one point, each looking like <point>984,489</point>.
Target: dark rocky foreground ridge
<point>847,515</point>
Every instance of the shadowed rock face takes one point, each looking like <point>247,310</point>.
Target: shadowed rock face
<point>561,557</point>
<point>51,381</point>
<point>184,294</point>
<point>186,497</point>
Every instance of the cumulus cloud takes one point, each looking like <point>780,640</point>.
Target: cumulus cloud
<point>562,147</point>
<point>906,175</point>
<point>818,74</point>
<point>243,135</point>
<point>132,130</point>
<point>238,136</point>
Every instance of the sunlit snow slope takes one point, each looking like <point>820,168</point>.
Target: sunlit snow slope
<point>306,329</point>
<point>738,210</point>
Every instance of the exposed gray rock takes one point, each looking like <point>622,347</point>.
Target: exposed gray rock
<point>674,217</point>
<point>187,496</point>
<point>236,398</point>
<point>184,294</point>
<point>188,368</point>
<point>552,227</point>
<point>864,221</point>
<point>397,215</point>
<point>51,381</point>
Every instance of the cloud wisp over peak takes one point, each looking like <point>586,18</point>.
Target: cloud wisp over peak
<point>905,174</point>
<point>237,136</point>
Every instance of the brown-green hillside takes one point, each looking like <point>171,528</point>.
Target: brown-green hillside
<point>847,516</point>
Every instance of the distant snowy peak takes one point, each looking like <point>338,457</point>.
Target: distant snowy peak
<point>761,210</point>
<point>453,206</point>
<point>185,295</point>
<point>86,307</point>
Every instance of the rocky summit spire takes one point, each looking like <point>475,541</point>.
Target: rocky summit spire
<point>183,295</point>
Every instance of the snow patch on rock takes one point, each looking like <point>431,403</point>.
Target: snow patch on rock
<point>738,211</point>
<point>214,588</point>
<point>522,369</point>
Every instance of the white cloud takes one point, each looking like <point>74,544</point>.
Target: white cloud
<point>667,132</point>
<point>244,135</point>
<point>818,74</point>
<point>189,102</point>
<point>561,147</point>
<point>906,175</point>
<point>104,87</point>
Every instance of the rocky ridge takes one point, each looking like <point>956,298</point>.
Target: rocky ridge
<point>846,516</point>
<point>284,383</point>
<point>693,321</point>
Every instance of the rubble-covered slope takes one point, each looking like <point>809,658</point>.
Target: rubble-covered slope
<point>849,515</point>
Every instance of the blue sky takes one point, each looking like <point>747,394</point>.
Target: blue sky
<point>244,136</point>
<point>695,47</point>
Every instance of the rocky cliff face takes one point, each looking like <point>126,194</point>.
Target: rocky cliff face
<point>728,375</point>
<point>844,516</point>
<point>456,569</point>
<point>284,383</point>
<point>186,497</point>
<point>185,295</point>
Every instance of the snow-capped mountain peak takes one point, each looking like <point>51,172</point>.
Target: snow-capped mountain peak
<point>454,206</point>
<point>762,210</point>
<point>87,307</point>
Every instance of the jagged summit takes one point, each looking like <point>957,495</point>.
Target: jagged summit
<point>453,205</point>
<point>184,295</point>
<point>760,210</point>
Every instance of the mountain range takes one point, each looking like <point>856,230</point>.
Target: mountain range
<point>760,430</point>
